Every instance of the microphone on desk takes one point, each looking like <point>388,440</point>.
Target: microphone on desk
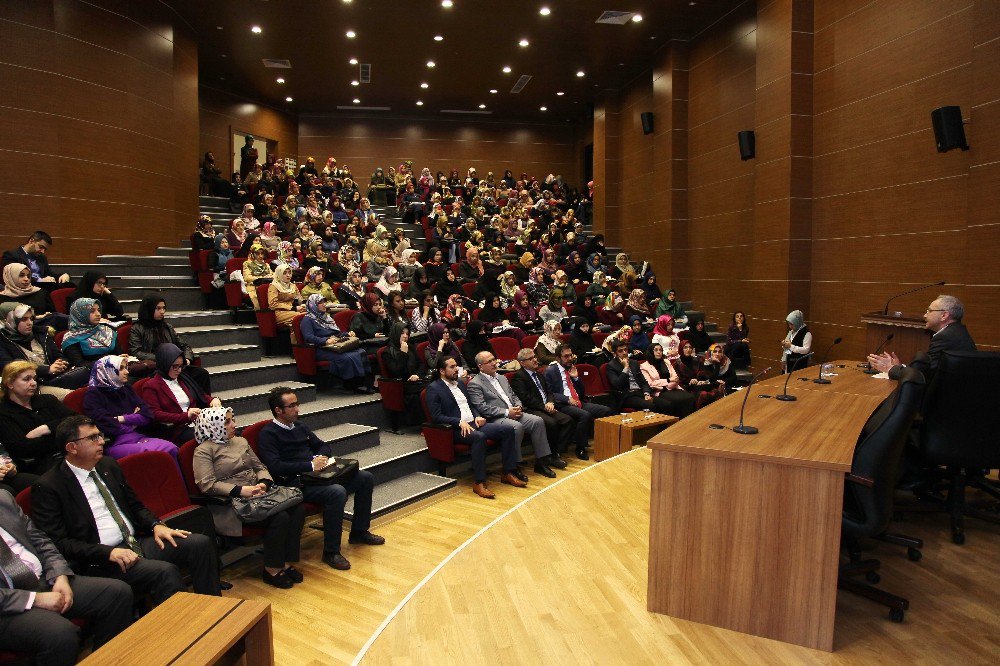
<point>745,429</point>
<point>878,350</point>
<point>885,310</point>
<point>819,379</point>
<point>784,397</point>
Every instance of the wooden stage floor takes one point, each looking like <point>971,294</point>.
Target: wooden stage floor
<point>561,578</point>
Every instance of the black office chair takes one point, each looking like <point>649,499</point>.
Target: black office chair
<point>961,433</point>
<point>868,495</point>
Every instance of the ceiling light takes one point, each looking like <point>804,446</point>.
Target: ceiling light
<point>218,27</point>
<point>438,38</point>
<point>430,63</point>
<point>482,106</point>
<point>580,74</point>
<point>424,85</point>
<point>356,100</point>
<point>256,30</point>
<point>560,93</point>
<point>637,18</point>
<point>288,99</point>
<point>224,55</point>
<point>506,70</point>
<point>354,82</point>
<point>347,2</point>
<point>351,34</point>
<point>419,103</point>
<point>493,91</point>
<point>280,80</point>
<point>353,61</point>
<point>446,4</point>
<point>543,108</point>
<point>544,11</point>
<point>523,42</point>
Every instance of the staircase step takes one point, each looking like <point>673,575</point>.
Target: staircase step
<point>215,355</point>
<point>718,337</point>
<point>196,318</point>
<point>252,399</point>
<point>202,336</point>
<point>330,409</point>
<point>269,370</point>
<point>146,279</point>
<point>177,298</point>
<point>212,201</point>
<point>170,267</point>
<point>107,260</point>
<point>350,439</point>
<point>173,251</point>
<point>395,456</point>
<point>687,305</point>
<point>394,495</point>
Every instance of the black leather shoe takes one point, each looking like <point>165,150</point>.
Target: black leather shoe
<point>544,470</point>
<point>337,561</point>
<point>366,538</point>
<point>519,475</point>
<point>293,574</point>
<point>225,585</point>
<point>582,454</point>
<point>557,461</point>
<point>279,580</point>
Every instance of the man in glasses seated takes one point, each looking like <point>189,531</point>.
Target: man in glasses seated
<point>85,505</point>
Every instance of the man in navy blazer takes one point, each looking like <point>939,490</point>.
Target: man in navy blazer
<point>32,255</point>
<point>448,403</point>
<point>570,397</point>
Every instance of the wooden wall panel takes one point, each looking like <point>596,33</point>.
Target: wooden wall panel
<point>221,113</point>
<point>99,126</point>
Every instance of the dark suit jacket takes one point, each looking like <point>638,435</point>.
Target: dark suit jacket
<point>60,509</point>
<point>442,406</point>
<point>527,391</point>
<point>19,256</point>
<point>618,378</point>
<point>953,338</point>
<point>553,376</point>
<point>28,535</point>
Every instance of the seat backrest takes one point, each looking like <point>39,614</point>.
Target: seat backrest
<point>877,454</point>
<point>251,432</point>
<point>961,417</point>
<point>121,338</point>
<point>468,288</point>
<point>23,500</point>
<point>423,403</point>
<point>421,348</point>
<point>202,259</point>
<point>297,328</point>
<point>74,399</point>
<point>505,348</point>
<point>59,298</point>
<point>185,456</point>
<point>380,356</point>
<point>262,295</point>
<point>137,387</point>
<point>343,319</point>
<point>235,264</point>
<point>58,338</point>
<point>591,378</point>
<point>157,482</point>
<point>529,341</point>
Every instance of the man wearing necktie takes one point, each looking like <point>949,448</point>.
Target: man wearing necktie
<point>94,518</point>
<point>570,397</point>
<point>529,386</point>
<point>40,595</point>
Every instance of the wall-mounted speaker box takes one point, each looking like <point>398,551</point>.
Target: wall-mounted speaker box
<point>647,122</point>
<point>747,144</point>
<point>949,132</point>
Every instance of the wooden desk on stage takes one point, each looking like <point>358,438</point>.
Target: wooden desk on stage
<point>194,629</point>
<point>619,433</point>
<point>745,529</point>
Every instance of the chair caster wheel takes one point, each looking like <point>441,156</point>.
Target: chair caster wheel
<point>872,577</point>
<point>914,554</point>
<point>958,537</point>
<point>896,615</point>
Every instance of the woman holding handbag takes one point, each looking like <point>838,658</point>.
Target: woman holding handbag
<point>226,467</point>
<point>343,350</point>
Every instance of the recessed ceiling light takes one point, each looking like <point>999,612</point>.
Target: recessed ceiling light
<point>218,27</point>
<point>224,55</point>
<point>493,91</point>
<point>353,61</point>
<point>288,99</point>
<point>637,18</point>
<point>560,93</point>
<point>438,38</point>
<point>356,100</point>
<point>354,82</point>
<point>446,4</point>
<point>544,11</point>
<point>419,103</point>
<point>580,74</point>
<point>424,85</point>
<point>430,63</point>
<point>543,108</point>
<point>506,70</point>
<point>256,30</point>
<point>351,34</point>
<point>347,2</point>
<point>523,42</point>
<point>482,106</point>
<point>280,80</point>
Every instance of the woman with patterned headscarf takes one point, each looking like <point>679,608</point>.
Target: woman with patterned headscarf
<point>536,288</point>
<point>118,411</point>
<point>88,338</point>
<point>225,466</point>
<point>636,305</point>
<point>319,329</point>
<point>21,339</point>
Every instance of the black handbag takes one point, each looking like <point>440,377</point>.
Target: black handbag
<point>262,507</point>
<point>340,471</point>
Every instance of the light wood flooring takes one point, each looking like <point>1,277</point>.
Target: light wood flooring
<point>563,580</point>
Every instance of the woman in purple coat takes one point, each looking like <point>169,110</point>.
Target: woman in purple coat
<point>118,411</point>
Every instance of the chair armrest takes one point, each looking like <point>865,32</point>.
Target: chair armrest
<point>203,500</point>
<point>860,480</point>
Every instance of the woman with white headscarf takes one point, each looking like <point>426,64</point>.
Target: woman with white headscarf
<point>797,342</point>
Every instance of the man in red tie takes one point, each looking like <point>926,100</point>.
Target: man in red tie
<point>570,398</point>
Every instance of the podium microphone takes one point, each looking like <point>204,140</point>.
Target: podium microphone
<point>819,379</point>
<point>885,310</point>
<point>869,370</point>
<point>784,397</point>
<point>745,429</point>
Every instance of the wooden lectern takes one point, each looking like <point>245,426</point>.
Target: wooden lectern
<point>909,335</point>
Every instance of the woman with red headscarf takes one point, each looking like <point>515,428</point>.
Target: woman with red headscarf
<point>663,334</point>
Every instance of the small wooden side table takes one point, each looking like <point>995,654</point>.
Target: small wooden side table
<point>619,433</point>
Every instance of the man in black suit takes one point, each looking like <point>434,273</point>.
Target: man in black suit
<point>530,387</point>
<point>40,595</point>
<point>943,319</point>
<point>628,385</point>
<point>570,398</point>
<point>95,519</point>
<point>32,255</point>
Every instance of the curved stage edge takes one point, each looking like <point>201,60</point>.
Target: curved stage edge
<point>561,577</point>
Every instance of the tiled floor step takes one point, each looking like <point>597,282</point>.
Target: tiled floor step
<point>193,317</point>
<point>172,251</point>
<point>329,409</point>
<point>396,494</point>
<point>201,336</point>
<point>271,371</point>
<point>350,439</point>
<point>149,278</point>
<point>251,399</point>
<point>214,355</point>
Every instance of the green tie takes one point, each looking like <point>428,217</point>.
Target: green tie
<point>127,538</point>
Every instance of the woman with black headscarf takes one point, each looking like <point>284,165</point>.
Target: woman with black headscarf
<point>698,337</point>
<point>94,284</point>
<point>151,329</point>
<point>447,287</point>
<point>584,309</point>
<point>439,344</point>
<point>475,342</point>
<point>174,398</point>
<point>581,340</point>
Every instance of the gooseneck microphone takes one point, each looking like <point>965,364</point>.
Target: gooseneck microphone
<point>819,379</point>
<point>885,310</point>
<point>878,350</point>
<point>745,429</point>
<point>784,397</point>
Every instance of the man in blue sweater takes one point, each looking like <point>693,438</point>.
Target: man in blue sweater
<point>289,449</point>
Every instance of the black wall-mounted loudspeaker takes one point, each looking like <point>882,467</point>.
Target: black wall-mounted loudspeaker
<point>747,143</point>
<point>948,129</point>
<point>647,122</point>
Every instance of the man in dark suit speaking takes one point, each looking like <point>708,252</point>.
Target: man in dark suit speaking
<point>943,319</point>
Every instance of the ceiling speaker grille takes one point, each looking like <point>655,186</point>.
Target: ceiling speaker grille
<point>521,82</point>
<point>615,18</point>
<point>276,63</point>
<point>366,73</point>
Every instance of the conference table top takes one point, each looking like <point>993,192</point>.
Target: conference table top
<point>819,429</point>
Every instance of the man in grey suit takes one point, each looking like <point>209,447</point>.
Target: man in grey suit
<point>40,595</point>
<point>493,397</point>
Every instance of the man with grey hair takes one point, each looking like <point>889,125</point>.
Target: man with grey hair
<point>943,319</point>
<point>491,395</point>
